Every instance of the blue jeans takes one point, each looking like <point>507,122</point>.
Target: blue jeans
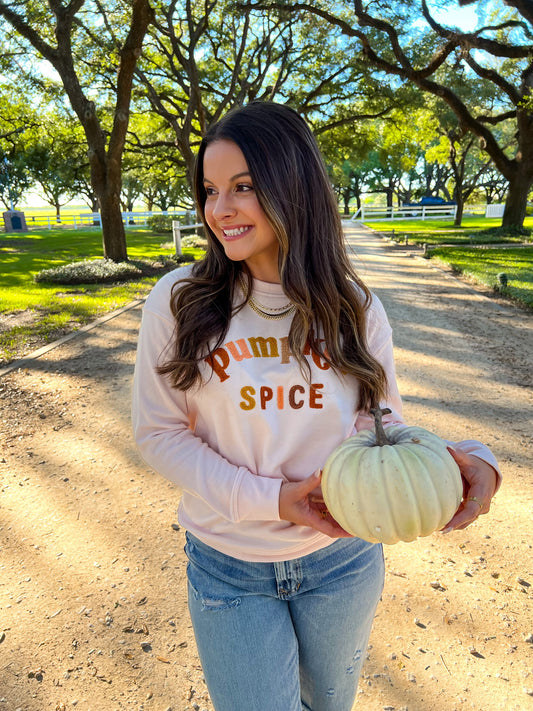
<point>289,636</point>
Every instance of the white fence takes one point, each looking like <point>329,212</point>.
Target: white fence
<point>366,212</point>
<point>177,229</point>
<point>494,210</point>
<point>93,219</point>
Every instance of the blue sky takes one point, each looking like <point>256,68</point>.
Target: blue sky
<point>466,18</point>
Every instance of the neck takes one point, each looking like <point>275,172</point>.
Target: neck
<point>267,272</point>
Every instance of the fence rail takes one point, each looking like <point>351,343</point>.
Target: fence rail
<point>177,229</point>
<point>93,219</point>
<point>366,212</point>
<point>494,210</point>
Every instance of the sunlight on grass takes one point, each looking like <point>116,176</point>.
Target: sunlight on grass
<point>484,266</point>
<point>23,256</point>
<point>473,230</point>
<point>54,309</point>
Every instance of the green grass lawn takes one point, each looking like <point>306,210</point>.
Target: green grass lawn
<point>52,309</point>
<point>473,231</point>
<point>482,264</point>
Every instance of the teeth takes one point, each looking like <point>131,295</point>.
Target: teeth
<point>235,232</point>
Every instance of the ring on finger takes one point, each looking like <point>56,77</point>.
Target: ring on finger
<point>475,498</point>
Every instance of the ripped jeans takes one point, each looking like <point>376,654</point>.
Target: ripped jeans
<point>288,636</point>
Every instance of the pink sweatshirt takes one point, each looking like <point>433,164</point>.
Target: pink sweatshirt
<point>254,423</point>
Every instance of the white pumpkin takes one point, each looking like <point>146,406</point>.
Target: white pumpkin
<point>392,485</point>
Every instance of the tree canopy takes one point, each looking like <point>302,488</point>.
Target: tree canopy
<point>401,102</point>
<point>404,40</point>
<point>65,35</point>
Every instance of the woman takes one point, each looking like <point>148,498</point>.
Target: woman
<point>252,366</point>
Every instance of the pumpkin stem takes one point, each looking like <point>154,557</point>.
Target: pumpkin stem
<point>381,437</point>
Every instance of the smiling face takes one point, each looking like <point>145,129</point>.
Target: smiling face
<point>234,214</point>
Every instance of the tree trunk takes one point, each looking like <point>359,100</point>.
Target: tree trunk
<point>113,232</point>
<point>105,156</point>
<point>460,209</point>
<point>346,200</point>
<point>516,203</point>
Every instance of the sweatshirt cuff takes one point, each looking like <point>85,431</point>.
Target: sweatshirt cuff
<point>471,446</point>
<point>256,498</point>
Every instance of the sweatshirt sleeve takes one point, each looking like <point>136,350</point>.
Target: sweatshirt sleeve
<point>379,337</point>
<point>162,431</point>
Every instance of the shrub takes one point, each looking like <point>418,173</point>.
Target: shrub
<point>104,271</point>
<point>161,224</point>
<point>193,241</point>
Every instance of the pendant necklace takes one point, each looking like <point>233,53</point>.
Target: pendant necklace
<point>267,312</point>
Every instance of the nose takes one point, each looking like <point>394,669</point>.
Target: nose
<point>224,206</point>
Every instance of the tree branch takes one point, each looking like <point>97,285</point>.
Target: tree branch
<point>349,120</point>
<point>27,31</point>
<point>524,7</point>
<point>474,40</point>
<point>495,120</point>
<point>495,78</point>
<point>141,16</point>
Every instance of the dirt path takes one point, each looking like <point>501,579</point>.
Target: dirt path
<point>92,572</point>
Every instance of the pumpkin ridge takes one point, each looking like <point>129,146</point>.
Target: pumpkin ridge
<point>410,462</point>
<point>343,493</point>
<point>404,461</point>
<point>363,483</point>
<point>428,500</point>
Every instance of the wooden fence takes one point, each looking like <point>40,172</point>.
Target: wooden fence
<point>93,219</point>
<point>424,212</point>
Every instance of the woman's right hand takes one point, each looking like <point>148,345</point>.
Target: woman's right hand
<point>298,504</point>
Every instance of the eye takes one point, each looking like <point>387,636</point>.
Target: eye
<point>209,191</point>
<point>244,187</point>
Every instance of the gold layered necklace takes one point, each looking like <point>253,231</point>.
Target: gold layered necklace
<point>271,314</point>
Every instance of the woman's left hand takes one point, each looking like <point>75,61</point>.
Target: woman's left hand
<point>480,482</point>
<point>301,502</point>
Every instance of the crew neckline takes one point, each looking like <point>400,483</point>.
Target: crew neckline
<point>267,287</point>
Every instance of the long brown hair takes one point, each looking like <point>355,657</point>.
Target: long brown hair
<point>293,189</point>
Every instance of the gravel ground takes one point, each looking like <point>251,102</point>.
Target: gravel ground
<point>93,598</point>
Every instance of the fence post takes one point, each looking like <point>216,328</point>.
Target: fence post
<point>176,233</point>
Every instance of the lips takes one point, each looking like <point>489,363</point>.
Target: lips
<point>235,232</point>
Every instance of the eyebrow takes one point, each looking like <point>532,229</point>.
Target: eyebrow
<point>233,177</point>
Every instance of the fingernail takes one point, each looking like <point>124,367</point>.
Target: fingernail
<point>447,530</point>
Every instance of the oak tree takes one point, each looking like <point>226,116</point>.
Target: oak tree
<point>406,42</point>
<point>55,30</point>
